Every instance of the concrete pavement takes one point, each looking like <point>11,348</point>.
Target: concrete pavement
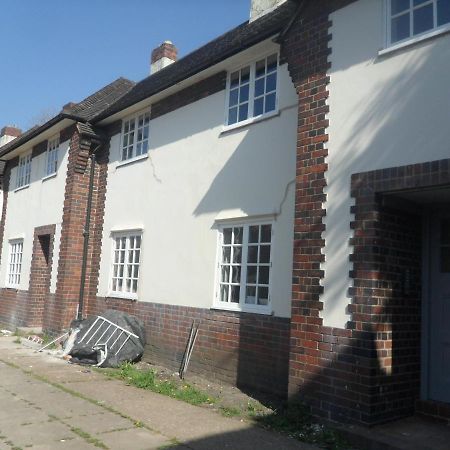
<point>46,403</point>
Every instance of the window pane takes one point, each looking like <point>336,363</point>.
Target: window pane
<point>260,68</point>
<point>423,19</point>
<point>235,293</point>
<point>237,255</point>
<point>245,75</point>
<point>271,83</point>
<point>251,274</point>
<point>400,28</point>
<point>263,275</point>
<point>244,92</point>
<point>227,236</point>
<point>234,95</point>
<point>259,87</point>
<point>263,296</point>
<point>443,12</point>
<point>419,2</point>
<point>398,6</point>
<point>234,79</point>
<point>225,274</point>
<point>445,259</point>
<point>237,235</point>
<point>250,297</point>
<point>264,254</point>
<point>254,234</point>
<point>252,256</point>
<point>270,103</point>
<point>224,293</point>
<point>445,232</point>
<point>258,108</point>
<point>243,112</point>
<point>272,63</point>
<point>266,233</point>
<point>236,274</point>
<point>232,116</point>
<point>226,255</point>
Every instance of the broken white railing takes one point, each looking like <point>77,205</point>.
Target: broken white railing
<point>117,332</point>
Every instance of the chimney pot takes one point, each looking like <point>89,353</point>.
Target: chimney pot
<point>163,56</point>
<point>8,133</point>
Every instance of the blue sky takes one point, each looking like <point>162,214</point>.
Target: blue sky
<point>56,51</point>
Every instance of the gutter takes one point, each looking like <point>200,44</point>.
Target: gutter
<point>8,148</point>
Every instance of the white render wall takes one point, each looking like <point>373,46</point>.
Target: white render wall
<point>37,205</point>
<point>195,174</point>
<point>385,111</point>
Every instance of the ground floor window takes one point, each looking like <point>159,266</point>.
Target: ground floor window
<point>126,262</point>
<point>15,262</point>
<point>244,266</point>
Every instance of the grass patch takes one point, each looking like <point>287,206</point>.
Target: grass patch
<point>17,340</point>
<point>230,411</point>
<point>296,421</point>
<point>88,438</point>
<point>147,379</point>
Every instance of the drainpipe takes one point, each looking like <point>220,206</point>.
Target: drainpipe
<point>87,225</point>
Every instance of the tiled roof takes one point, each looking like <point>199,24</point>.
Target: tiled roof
<point>84,111</point>
<point>230,43</point>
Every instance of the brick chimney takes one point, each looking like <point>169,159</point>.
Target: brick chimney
<point>163,56</point>
<point>9,133</point>
<point>260,7</point>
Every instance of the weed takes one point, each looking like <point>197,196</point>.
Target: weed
<point>17,340</point>
<point>230,411</point>
<point>88,438</point>
<point>147,379</point>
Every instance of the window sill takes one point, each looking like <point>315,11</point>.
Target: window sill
<point>48,177</point>
<point>250,121</point>
<point>21,188</point>
<point>414,40</point>
<point>264,311</point>
<point>120,296</point>
<point>132,160</point>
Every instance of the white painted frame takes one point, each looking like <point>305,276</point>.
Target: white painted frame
<point>11,245</point>
<point>241,306</point>
<point>52,155</point>
<point>23,174</point>
<point>134,118</point>
<point>251,118</point>
<point>435,31</point>
<point>124,234</point>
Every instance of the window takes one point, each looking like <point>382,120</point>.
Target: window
<point>410,18</point>
<point>244,264</point>
<point>15,262</point>
<point>52,156</point>
<point>253,90</point>
<point>135,134</point>
<point>24,171</point>
<point>126,260</point>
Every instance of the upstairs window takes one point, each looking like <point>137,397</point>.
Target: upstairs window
<point>15,263</point>
<point>252,90</point>
<point>244,265</point>
<point>52,156</point>
<point>24,171</point>
<point>411,18</point>
<point>135,136</point>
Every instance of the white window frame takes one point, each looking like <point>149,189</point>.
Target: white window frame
<point>14,272</point>
<point>413,38</point>
<point>127,234</point>
<point>251,118</point>
<point>51,161</point>
<point>132,145</point>
<point>242,306</point>
<point>24,171</point>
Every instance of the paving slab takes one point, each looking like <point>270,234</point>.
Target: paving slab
<point>61,406</point>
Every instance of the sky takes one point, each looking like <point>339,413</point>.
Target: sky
<point>56,51</point>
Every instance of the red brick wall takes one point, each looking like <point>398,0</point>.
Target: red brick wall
<point>249,350</point>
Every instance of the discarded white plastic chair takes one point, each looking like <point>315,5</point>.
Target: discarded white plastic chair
<point>119,333</point>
